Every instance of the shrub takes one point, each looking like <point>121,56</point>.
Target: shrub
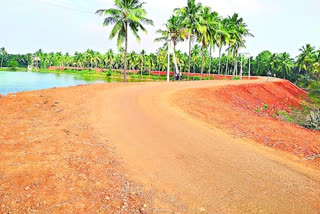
<point>208,78</point>
<point>155,77</point>
<point>108,73</point>
<point>13,65</point>
<point>196,78</point>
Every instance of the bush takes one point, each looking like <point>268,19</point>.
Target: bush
<point>196,78</point>
<point>108,73</point>
<point>13,65</point>
<point>208,78</point>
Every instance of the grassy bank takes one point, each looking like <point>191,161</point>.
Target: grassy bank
<point>111,74</point>
<point>12,69</point>
<point>307,115</point>
<point>108,74</point>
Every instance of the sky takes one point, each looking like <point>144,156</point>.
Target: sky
<point>71,25</point>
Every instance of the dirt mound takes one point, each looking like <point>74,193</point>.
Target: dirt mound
<point>248,111</point>
<point>264,98</point>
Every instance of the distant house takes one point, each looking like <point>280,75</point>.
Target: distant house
<point>36,62</point>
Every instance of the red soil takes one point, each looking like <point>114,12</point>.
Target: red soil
<point>52,161</point>
<point>235,108</point>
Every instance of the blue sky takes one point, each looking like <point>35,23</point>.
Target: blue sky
<point>70,25</point>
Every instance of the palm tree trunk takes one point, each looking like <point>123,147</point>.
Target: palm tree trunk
<point>189,58</point>
<point>1,61</point>
<point>141,67</point>
<point>210,60</point>
<point>227,65</point>
<point>235,70</point>
<point>194,69</point>
<point>202,61</point>
<point>125,53</point>
<point>219,69</point>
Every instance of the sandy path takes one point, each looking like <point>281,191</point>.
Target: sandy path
<point>200,168</point>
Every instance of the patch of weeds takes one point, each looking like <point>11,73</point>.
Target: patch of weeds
<point>109,73</point>
<point>283,115</point>
<point>258,110</point>
<point>265,106</point>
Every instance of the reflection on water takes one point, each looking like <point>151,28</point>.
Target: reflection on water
<point>13,82</point>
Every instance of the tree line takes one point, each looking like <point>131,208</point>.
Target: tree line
<point>305,65</point>
<point>204,30</point>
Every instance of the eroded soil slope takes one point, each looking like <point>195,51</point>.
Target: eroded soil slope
<point>248,111</point>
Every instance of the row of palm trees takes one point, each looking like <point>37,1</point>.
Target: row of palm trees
<point>282,64</point>
<point>194,22</point>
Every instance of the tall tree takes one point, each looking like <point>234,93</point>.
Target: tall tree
<point>174,33</point>
<point>305,59</point>
<point>208,25</point>
<point>3,55</point>
<point>315,69</point>
<point>142,59</point>
<point>190,16</point>
<point>222,37</point>
<point>285,64</point>
<point>239,31</point>
<point>128,14</point>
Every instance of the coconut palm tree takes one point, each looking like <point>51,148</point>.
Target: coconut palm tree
<point>174,33</point>
<point>162,55</point>
<point>110,58</point>
<point>305,59</point>
<point>222,37</point>
<point>315,69</point>
<point>128,14</point>
<point>238,31</point>
<point>285,64</point>
<point>195,53</point>
<point>190,17</point>
<point>208,25</point>
<point>142,58</point>
<point>3,53</point>
<point>273,60</point>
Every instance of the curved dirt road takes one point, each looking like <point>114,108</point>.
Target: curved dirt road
<point>191,166</point>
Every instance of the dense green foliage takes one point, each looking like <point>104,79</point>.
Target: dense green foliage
<point>204,29</point>
<point>305,68</point>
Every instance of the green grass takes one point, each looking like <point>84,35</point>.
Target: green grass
<point>113,74</point>
<point>12,69</point>
<point>315,97</point>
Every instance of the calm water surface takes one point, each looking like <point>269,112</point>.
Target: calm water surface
<point>13,82</point>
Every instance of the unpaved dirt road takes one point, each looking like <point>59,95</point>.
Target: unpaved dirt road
<point>192,166</point>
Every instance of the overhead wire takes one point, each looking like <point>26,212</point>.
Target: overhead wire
<point>62,5</point>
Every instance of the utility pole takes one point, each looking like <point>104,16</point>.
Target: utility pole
<point>241,68</point>
<point>168,72</point>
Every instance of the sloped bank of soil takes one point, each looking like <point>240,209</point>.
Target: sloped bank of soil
<point>52,161</point>
<point>248,111</point>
